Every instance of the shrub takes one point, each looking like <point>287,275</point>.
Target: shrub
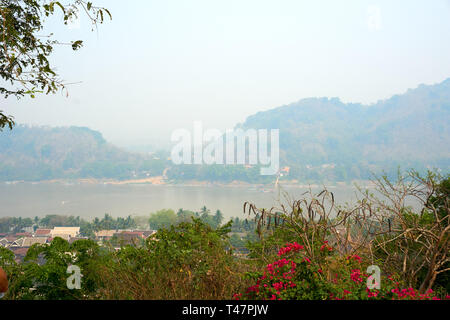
<point>297,276</point>
<point>187,261</point>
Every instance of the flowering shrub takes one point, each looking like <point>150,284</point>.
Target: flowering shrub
<point>293,276</point>
<point>297,276</point>
<point>294,247</point>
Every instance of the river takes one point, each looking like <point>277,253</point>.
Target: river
<point>94,200</point>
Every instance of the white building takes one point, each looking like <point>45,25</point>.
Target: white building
<point>65,232</point>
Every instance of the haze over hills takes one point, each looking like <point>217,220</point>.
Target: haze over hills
<point>321,139</point>
<point>43,153</point>
<point>410,130</point>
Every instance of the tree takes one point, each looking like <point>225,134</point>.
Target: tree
<point>162,219</point>
<point>44,273</point>
<point>218,218</point>
<point>191,260</point>
<point>25,49</point>
<point>184,215</point>
<point>204,210</point>
<point>418,243</point>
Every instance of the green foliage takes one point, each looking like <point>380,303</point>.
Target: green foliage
<point>14,224</point>
<point>43,275</point>
<point>294,275</point>
<point>6,121</point>
<point>189,260</point>
<point>413,248</point>
<point>18,284</point>
<point>266,246</point>
<point>186,244</point>
<point>217,173</point>
<point>110,223</point>
<point>167,217</point>
<point>193,256</point>
<point>41,153</point>
<point>24,58</point>
<point>162,219</point>
<point>87,228</point>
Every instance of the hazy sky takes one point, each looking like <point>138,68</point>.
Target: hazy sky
<point>160,65</point>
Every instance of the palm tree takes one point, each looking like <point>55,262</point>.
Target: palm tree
<point>204,210</point>
<point>218,218</point>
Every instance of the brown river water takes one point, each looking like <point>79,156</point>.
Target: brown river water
<point>94,200</point>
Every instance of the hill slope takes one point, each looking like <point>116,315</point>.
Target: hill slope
<point>42,153</point>
<point>410,130</point>
<point>321,139</point>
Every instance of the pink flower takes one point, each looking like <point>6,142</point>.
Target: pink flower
<point>278,286</point>
<point>355,276</point>
<point>354,257</point>
<point>371,294</point>
<point>254,288</point>
<point>290,247</point>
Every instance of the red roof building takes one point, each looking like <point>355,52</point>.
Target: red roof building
<point>42,232</point>
<point>23,234</point>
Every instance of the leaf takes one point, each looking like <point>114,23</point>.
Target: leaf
<point>59,5</point>
<point>77,44</point>
<point>109,13</point>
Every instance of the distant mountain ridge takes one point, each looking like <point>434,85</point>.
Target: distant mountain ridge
<point>44,153</point>
<point>321,139</point>
<point>411,129</point>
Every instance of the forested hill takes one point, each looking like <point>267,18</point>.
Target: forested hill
<point>410,130</point>
<point>321,139</point>
<point>43,153</point>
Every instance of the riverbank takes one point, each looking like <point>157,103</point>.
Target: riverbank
<point>162,181</point>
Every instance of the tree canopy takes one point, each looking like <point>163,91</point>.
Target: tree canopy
<point>25,48</point>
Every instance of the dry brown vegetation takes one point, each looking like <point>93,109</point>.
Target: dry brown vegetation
<point>402,225</point>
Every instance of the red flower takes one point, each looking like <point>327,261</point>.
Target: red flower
<point>355,276</point>
<point>371,294</point>
<point>290,247</point>
<point>326,246</point>
<point>236,296</point>
<point>278,286</point>
<point>354,257</point>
